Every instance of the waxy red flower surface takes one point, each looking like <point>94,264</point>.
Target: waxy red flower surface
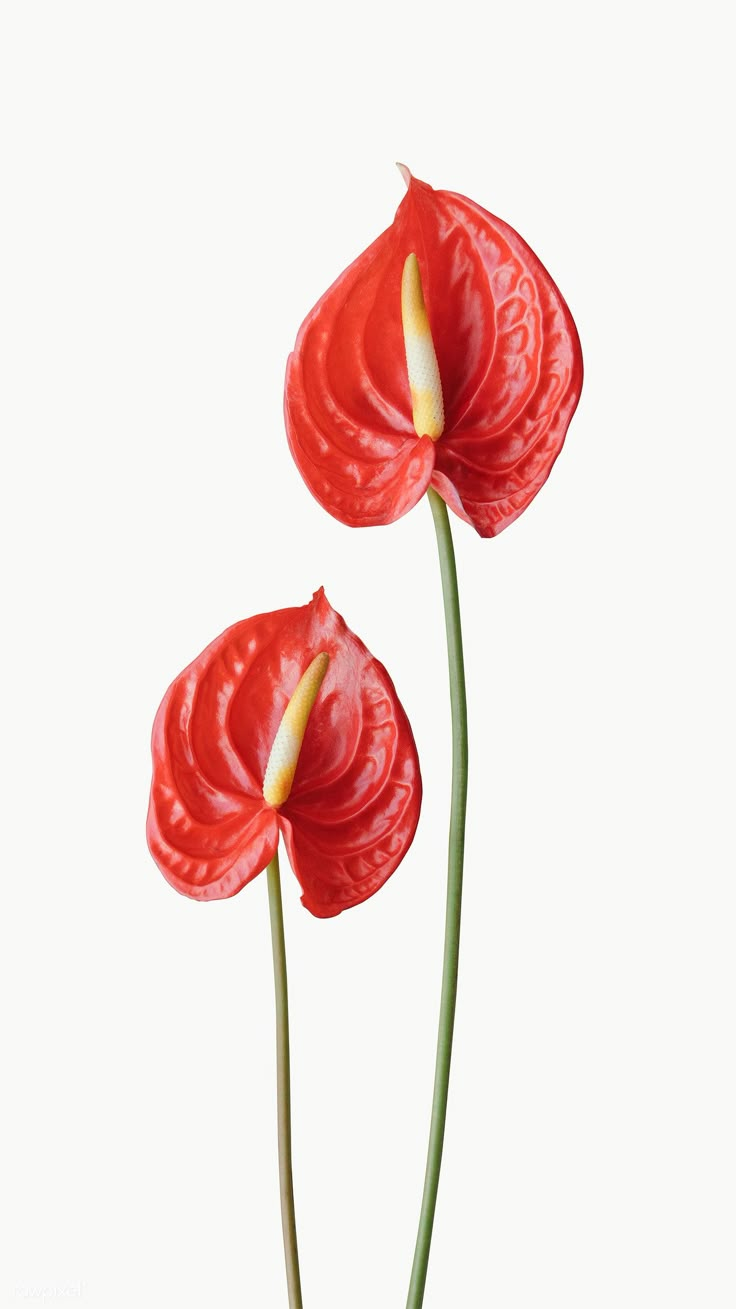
<point>509,362</point>
<point>353,804</point>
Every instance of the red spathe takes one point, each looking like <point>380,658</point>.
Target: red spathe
<point>509,360</point>
<point>354,804</point>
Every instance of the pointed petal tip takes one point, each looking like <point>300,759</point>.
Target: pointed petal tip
<point>405,173</point>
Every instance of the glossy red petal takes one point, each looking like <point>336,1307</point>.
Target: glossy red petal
<point>347,834</point>
<point>509,359</point>
<point>499,448</point>
<point>209,828</point>
<point>206,875</point>
<point>346,401</point>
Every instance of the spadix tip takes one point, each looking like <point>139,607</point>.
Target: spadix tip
<point>284,755</point>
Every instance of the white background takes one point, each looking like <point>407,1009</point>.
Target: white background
<point>181,182</point>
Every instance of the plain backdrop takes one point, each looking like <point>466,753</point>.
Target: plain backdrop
<point>180,184</point>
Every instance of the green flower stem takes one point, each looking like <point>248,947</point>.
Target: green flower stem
<point>454,897</point>
<point>283,1085</point>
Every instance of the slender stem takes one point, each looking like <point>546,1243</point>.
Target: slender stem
<point>283,1085</point>
<point>454,897</point>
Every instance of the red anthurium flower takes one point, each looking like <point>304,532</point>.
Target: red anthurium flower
<point>444,356</point>
<point>285,723</point>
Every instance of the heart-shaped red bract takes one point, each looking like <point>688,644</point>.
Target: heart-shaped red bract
<point>509,361</point>
<point>354,804</point>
